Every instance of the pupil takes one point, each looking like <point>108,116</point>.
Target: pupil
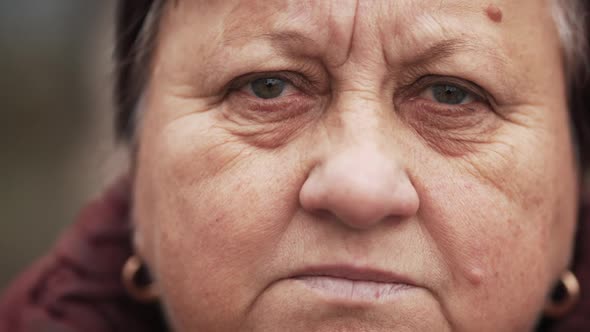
<point>267,88</point>
<point>448,94</point>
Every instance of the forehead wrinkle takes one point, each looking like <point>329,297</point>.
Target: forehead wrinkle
<point>427,40</point>
<point>415,25</point>
<point>439,51</point>
<point>444,49</point>
<point>287,26</point>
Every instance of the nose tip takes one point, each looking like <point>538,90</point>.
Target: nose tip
<point>360,189</point>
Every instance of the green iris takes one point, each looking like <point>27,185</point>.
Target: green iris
<point>268,88</point>
<point>448,94</point>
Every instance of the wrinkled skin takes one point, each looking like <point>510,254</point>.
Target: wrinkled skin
<point>355,163</point>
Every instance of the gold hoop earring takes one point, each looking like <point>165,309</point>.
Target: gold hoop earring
<point>564,297</point>
<point>134,281</point>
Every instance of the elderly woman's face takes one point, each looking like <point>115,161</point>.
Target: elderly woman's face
<point>355,165</point>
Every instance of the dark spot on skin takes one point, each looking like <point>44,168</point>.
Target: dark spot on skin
<point>494,13</point>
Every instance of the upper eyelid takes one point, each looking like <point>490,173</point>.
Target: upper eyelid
<point>290,77</point>
<point>475,90</point>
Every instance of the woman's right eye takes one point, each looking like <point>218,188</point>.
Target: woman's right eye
<point>267,87</point>
<point>448,94</point>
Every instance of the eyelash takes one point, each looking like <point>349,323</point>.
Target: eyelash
<point>291,78</point>
<point>426,82</point>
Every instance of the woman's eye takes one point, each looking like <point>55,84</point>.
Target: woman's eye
<point>267,88</point>
<point>448,94</point>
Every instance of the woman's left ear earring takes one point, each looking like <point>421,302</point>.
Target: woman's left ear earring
<point>564,297</point>
<point>137,282</point>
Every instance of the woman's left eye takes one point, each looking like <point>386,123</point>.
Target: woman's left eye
<point>448,94</point>
<point>267,87</point>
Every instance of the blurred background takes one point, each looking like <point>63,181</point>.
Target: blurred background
<point>56,146</point>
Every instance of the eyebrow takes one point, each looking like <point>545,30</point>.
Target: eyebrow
<point>483,53</point>
<point>286,41</point>
<point>441,50</point>
<point>289,42</point>
<point>279,40</point>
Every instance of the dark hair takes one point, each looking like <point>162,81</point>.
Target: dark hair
<point>133,50</point>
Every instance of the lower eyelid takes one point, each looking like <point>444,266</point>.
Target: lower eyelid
<point>445,110</point>
<point>439,123</point>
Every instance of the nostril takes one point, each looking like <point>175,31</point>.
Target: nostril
<point>320,213</point>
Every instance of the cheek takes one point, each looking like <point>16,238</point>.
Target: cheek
<point>504,229</point>
<point>217,209</point>
<point>474,226</point>
<point>495,254</point>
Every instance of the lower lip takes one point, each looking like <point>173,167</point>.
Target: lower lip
<point>353,290</point>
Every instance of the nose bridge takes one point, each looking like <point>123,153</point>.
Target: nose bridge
<point>360,177</point>
<point>362,134</point>
<point>360,117</point>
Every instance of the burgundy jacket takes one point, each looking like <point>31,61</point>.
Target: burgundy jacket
<point>77,285</point>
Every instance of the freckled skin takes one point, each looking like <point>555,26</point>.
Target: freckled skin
<point>356,162</point>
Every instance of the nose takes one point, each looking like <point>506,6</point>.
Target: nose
<point>361,187</point>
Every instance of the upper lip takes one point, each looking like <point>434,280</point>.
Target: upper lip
<point>354,273</point>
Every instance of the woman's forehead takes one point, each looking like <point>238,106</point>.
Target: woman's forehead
<point>257,12</point>
<point>336,21</point>
<point>500,35</point>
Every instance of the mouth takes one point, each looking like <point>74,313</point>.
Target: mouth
<point>352,284</point>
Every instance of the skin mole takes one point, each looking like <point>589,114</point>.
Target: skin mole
<point>494,13</point>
